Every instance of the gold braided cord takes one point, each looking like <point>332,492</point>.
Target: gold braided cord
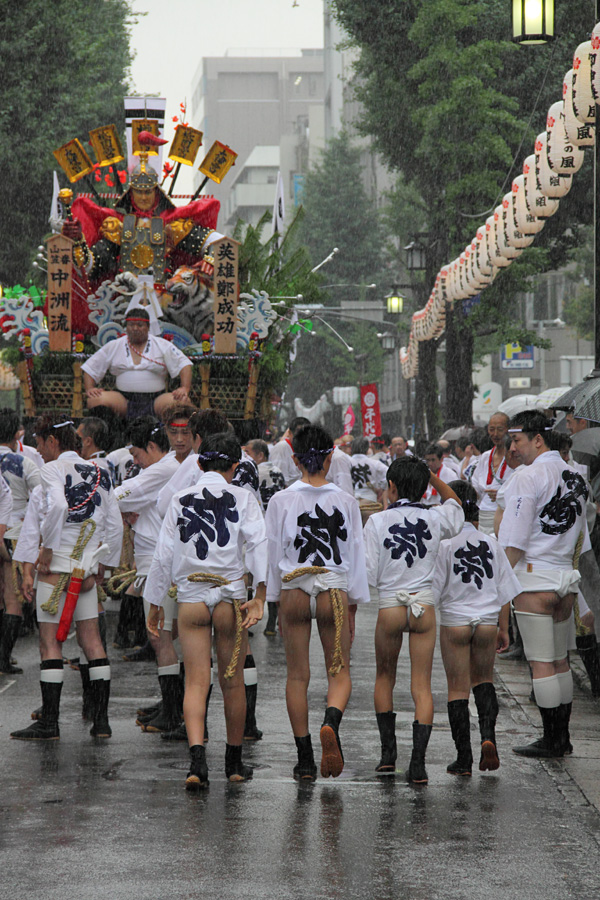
<point>221,581</point>
<point>580,628</point>
<point>85,533</point>
<point>16,569</point>
<point>337,607</point>
<point>117,583</point>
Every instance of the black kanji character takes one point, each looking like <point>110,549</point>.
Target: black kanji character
<point>319,536</point>
<point>361,475</point>
<point>246,474</point>
<point>562,510</point>
<point>84,494</point>
<point>206,517</point>
<point>474,563</point>
<point>408,538</point>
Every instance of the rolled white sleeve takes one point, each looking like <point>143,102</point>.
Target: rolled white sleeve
<point>5,503</point>
<point>174,359</point>
<point>255,536</point>
<point>517,521</point>
<point>141,490</point>
<point>98,365</point>
<point>28,544</point>
<point>113,535</point>
<point>160,575</point>
<point>55,507</point>
<point>358,586</point>
<point>275,550</point>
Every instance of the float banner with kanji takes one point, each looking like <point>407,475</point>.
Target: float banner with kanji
<point>349,420</point>
<point>60,250</point>
<point>225,253</point>
<point>371,416</point>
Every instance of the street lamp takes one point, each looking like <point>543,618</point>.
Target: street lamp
<point>533,21</point>
<point>395,301</point>
<point>388,341</point>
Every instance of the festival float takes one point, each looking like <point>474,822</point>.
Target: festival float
<point>110,252</point>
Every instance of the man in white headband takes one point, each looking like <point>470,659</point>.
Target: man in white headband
<point>543,531</point>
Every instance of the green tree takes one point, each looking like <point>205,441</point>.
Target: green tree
<point>63,70</point>
<point>338,213</point>
<point>455,107</point>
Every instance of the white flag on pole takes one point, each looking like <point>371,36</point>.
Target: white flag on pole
<point>55,217</point>
<point>278,210</point>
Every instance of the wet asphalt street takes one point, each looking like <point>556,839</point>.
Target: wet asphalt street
<point>111,819</point>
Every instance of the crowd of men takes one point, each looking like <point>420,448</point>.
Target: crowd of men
<point>195,523</point>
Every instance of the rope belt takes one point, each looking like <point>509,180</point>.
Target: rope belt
<point>220,581</point>
<point>16,569</point>
<point>337,607</point>
<point>85,534</point>
<point>120,581</point>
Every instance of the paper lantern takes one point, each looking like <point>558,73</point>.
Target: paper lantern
<point>595,62</point>
<point>497,258</point>
<point>564,157</point>
<point>577,132</point>
<point>548,182</point>
<point>584,103</point>
<point>513,237</point>
<point>504,248</point>
<point>526,221</point>
<point>537,203</point>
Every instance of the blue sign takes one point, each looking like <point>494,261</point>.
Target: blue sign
<point>514,356</point>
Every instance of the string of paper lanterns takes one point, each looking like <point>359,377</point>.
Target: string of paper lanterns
<point>534,197</point>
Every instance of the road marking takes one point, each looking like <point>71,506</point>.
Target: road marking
<point>6,686</point>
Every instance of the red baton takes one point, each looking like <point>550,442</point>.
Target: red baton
<point>73,591</point>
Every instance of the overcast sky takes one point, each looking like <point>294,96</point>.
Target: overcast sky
<point>171,40</point>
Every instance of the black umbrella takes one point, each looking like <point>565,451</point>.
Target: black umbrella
<point>583,400</point>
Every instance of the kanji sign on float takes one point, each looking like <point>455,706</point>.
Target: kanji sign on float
<point>59,292</point>
<point>225,252</point>
<point>371,416</point>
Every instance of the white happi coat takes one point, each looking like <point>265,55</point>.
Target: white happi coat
<point>138,495</point>
<point>340,471</point>
<point>148,375</point>
<point>473,578</point>
<point>544,516</point>
<point>74,491</point>
<point>281,455</point>
<point>484,479</point>
<point>22,475</point>
<point>369,475</point>
<point>271,481</point>
<point>316,526</point>
<point>206,529</point>
<point>403,541</point>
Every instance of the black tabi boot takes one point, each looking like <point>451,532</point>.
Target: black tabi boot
<point>548,746</point>
<point>100,692</point>
<point>386,722</point>
<point>87,706</point>
<point>460,726</point>
<point>178,734</point>
<point>235,770</point>
<point>147,711</point>
<point>11,626</point>
<point>251,732</point>
<point>169,717</point>
<point>587,647</point>
<point>46,728</point>
<point>563,738</point>
<point>417,773</point>
<point>271,626</point>
<point>305,769</point>
<point>487,710</point>
<point>332,758</point>
<point>197,778</point>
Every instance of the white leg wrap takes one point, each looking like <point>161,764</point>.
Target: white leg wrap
<point>250,676</point>
<point>565,680</point>
<point>537,632</point>
<point>547,691</point>
<point>52,676</point>
<point>173,669</point>
<point>561,638</point>
<point>100,673</point>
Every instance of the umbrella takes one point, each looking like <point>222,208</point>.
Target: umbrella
<point>583,400</point>
<point>453,434</point>
<point>517,404</point>
<point>546,399</point>
<point>586,444</point>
